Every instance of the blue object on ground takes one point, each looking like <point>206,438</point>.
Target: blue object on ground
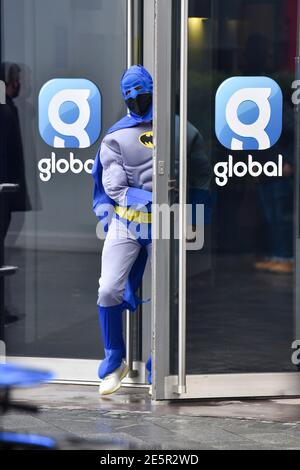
<point>27,440</point>
<point>17,376</point>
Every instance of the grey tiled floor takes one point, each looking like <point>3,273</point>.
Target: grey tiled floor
<point>78,418</point>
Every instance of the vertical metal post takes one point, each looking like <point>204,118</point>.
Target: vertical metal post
<point>182,197</point>
<point>129,319</point>
<point>130,25</point>
<point>2,306</point>
<point>162,130</point>
<point>297,191</point>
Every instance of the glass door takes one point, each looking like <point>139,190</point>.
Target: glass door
<point>227,139</point>
<point>48,47</point>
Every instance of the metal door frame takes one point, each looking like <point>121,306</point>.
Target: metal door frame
<point>166,386</point>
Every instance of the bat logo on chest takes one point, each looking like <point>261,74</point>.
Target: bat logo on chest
<point>146,139</point>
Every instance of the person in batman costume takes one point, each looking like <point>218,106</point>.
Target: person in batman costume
<point>123,188</point>
<point>122,175</point>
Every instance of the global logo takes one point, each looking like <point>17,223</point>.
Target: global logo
<point>248,113</point>
<point>70,113</point>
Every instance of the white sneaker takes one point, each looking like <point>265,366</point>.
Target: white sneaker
<point>150,390</point>
<point>112,382</point>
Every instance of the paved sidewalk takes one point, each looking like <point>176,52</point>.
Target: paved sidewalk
<point>78,418</point>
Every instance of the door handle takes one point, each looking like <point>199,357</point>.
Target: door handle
<point>9,188</point>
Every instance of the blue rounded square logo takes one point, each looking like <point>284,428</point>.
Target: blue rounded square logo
<point>248,113</point>
<point>70,113</point>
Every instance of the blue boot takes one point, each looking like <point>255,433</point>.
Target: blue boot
<point>112,332</point>
<point>149,369</point>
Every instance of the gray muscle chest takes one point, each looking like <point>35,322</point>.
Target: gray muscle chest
<point>135,146</point>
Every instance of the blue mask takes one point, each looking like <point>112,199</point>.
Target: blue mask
<point>137,89</point>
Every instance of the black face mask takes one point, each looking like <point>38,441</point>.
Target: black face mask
<point>140,104</point>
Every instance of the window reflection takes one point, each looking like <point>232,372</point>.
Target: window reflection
<point>240,287</point>
<point>55,244</point>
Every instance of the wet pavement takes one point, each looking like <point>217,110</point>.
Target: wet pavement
<point>78,418</point>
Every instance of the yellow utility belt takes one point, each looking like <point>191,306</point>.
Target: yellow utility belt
<point>133,216</point>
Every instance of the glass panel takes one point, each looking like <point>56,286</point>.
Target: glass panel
<point>53,239</point>
<point>240,311</point>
